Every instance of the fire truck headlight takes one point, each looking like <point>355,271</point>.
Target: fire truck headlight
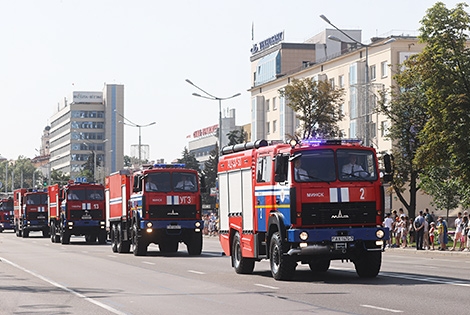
<point>379,243</point>
<point>149,230</point>
<point>102,222</point>
<point>28,223</point>
<point>197,224</point>
<point>303,236</point>
<point>303,245</point>
<point>149,224</point>
<point>197,230</point>
<point>380,234</point>
<point>70,223</point>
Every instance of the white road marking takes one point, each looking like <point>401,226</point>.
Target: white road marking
<point>57,285</point>
<point>382,309</point>
<point>197,272</point>
<point>148,263</point>
<point>112,256</point>
<point>266,286</point>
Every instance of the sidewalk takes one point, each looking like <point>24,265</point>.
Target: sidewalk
<point>436,252</point>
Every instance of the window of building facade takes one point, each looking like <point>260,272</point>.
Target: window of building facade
<point>341,81</point>
<point>268,131</point>
<point>274,103</point>
<point>384,128</point>
<point>332,83</point>
<point>274,125</point>
<point>372,73</point>
<point>384,69</point>
<point>267,105</point>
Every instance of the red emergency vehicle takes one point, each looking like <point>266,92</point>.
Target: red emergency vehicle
<point>160,204</point>
<point>77,209</point>
<point>309,202</point>
<point>6,214</point>
<point>30,212</point>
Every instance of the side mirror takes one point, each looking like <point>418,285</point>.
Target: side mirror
<point>387,178</point>
<point>280,168</point>
<point>387,163</point>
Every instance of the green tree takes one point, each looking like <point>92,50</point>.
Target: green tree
<point>127,161</point>
<point>210,174</point>
<point>443,187</point>
<point>23,172</point>
<point>444,65</point>
<point>318,107</point>
<point>237,136</point>
<point>407,114</point>
<point>57,177</point>
<point>89,168</point>
<point>189,160</point>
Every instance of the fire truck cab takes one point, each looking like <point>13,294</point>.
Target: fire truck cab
<point>309,202</point>
<point>6,214</point>
<point>30,212</point>
<point>160,204</point>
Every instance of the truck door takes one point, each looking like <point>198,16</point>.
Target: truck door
<point>263,190</point>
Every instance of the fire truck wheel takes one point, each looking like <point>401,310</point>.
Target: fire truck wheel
<point>18,232</point>
<point>194,245</point>
<point>122,246</point>
<point>25,233</point>
<point>45,233</point>
<point>102,238</point>
<point>64,238</point>
<point>282,266</point>
<point>368,264</point>
<point>319,266</point>
<point>241,264</point>
<point>139,248</point>
<point>52,232</point>
<point>168,246</point>
<point>114,239</point>
<point>90,238</point>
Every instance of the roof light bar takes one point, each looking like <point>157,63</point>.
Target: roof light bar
<point>317,142</point>
<point>169,165</point>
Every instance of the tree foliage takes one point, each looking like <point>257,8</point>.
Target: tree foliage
<point>189,160</point>
<point>444,65</point>
<point>210,174</point>
<point>89,168</point>
<point>22,171</point>
<point>318,107</point>
<point>237,136</point>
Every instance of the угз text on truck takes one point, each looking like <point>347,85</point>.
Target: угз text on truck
<point>30,212</point>
<point>309,203</point>
<point>160,204</point>
<point>77,209</point>
<point>6,214</point>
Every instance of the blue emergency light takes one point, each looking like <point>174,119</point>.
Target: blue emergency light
<point>168,165</point>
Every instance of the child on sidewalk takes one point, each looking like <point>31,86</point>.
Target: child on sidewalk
<point>431,234</point>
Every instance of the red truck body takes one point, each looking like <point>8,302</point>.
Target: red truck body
<point>164,212</point>
<point>77,209</point>
<point>301,203</point>
<point>30,212</point>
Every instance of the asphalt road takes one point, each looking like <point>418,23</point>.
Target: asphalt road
<point>39,277</point>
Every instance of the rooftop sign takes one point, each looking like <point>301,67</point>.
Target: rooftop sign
<point>87,97</point>
<point>265,44</point>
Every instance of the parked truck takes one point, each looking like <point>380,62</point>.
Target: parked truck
<point>30,212</point>
<point>77,209</point>
<point>6,214</point>
<point>309,203</point>
<point>160,204</point>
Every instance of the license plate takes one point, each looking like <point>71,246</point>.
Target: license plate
<point>86,217</point>
<point>348,238</point>
<point>41,217</point>
<point>173,227</point>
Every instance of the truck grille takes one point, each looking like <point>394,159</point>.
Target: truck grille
<point>37,215</point>
<point>96,214</point>
<point>338,213</point>
<point>172,212</point>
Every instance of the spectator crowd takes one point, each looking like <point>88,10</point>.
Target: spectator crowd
<point>427,231</point>
<point>211,224</point>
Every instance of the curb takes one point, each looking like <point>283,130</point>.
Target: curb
<point>436,252</point>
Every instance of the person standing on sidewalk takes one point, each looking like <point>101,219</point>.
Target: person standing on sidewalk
<point>388,224</point>
<point>426,235</point>
<point>458,231</point>
<point>418,224</point>
<point>431,234</point>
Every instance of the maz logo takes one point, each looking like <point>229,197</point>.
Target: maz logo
<point>172,213</point>
<point>340,216</point>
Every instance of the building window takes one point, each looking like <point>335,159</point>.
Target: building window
<point>332,83</point>
<point>372,73</point>
<point>267,105</point>
<point>373,127</point>
<point>274,126</point>
<point>341,81</point>
<point>268,131</point>
<point>384,128</point>
<point>274,103</point>
<point>384,68</point>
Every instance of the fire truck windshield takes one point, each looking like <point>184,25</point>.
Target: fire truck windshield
<point>6,206</point>
<point>87,194</point>
<point>158,182</point>
<point>356,165</point>
<point>315,166</point>
<point>36,199</point>
<point>95,194</point>
<point>183,181</point>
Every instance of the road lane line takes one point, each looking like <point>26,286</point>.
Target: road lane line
<point>197,272</point>
<point>148,263</point>
<point>382,309</point>
<point>57,285</point>
<point>112,256</point>
<point>266,286</point>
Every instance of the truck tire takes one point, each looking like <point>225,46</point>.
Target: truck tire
<point>45,232</point>
<point>194,245</point>
<point>282,266</point>
<point>90,238</point>
<point>139,248</point>
<point>65,237</point>
<point>168,246</point>
<point>122,246</point>
<point>368,264</point>
<point>114,238</point>
<point>52,232</point>
<point>102,237</point>
<point>242,265</point>
<point>319,265</point>
<point>25,233</point>
<point>18,231</point>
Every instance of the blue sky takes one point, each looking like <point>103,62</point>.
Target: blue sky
<point>53,47</point>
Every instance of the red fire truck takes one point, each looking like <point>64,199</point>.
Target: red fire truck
<point>160,204</point>
<point>30,212</point>
<point>309,202</point>
<point>77,209</point>
<point>6,214</point>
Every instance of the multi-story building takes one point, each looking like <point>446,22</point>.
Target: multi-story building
<point>90,123</point>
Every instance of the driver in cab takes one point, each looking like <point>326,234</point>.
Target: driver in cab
<point>352,169</point>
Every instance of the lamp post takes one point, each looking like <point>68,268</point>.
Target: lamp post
<point>132,124</point>
<point>366,46</point>
<point>214,98</point>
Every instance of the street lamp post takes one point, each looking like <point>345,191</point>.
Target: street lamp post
<point>214,98</point>
<point>132,124</point>
<point>366,46</point>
